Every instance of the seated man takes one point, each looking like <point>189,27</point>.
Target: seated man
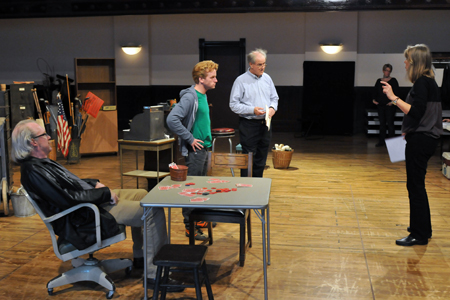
<point>55,189</point>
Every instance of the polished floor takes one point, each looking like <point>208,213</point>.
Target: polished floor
<point>335,216</point>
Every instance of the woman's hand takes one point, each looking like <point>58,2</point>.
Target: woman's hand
<point>387,90</point>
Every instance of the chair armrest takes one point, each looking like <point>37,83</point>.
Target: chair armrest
<point>74,208</point>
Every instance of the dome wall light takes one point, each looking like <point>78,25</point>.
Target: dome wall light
<point>331,48</point>
<point>131,49</point>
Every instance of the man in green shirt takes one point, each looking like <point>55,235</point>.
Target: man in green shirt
<point>189,119</point>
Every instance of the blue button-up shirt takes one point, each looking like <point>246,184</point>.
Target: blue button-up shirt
<point>250,91</point>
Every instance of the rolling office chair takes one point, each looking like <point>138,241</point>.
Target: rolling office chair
<point>89,269</point>
<point>240,216</point>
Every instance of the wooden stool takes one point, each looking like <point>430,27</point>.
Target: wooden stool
<point>186,257</point>
<point>220,133</point>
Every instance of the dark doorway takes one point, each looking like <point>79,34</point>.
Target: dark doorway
<point>231,59</point>
<point>328,94</point>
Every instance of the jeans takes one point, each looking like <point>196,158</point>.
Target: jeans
<point>197,163</point>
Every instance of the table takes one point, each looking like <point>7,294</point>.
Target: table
<point>157,146</point>
<point>255,197</point>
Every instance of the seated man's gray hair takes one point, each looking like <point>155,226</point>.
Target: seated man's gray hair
<point>21,141</point>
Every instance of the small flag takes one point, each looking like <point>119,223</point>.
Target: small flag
<point>64,137</point>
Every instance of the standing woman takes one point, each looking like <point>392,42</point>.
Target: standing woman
<point>386,110</point>
<point>422,127</point>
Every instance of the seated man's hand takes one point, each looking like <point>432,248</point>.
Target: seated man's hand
<point>114,198</point>
<point>99,185</point>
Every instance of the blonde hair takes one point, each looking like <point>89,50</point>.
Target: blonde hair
<point>202,69</point>
<point>419,58</point>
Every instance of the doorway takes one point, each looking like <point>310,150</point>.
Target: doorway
<point>231,59</point>
<point>328,96</point>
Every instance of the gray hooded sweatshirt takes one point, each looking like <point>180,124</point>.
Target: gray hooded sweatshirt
<point>182,118</point>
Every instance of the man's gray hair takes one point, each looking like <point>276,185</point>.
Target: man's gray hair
<point>21,140</point>
<point>251,55</point>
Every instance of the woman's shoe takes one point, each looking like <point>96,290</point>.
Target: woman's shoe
<point>410,241</point>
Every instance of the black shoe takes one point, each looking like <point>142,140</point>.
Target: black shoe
<point>409,230</point>
<point>380,144</point>
<point>410,241</point>
<point>138,262</point>
<point>170,289</point>
<point>199,235</point>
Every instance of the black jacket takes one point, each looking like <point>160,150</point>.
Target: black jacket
<point>48,184</point>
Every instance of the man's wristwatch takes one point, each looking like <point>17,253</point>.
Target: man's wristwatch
<point>395,101</point>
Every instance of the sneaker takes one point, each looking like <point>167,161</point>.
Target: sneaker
<point>199,235</point>
<point>203,224</point>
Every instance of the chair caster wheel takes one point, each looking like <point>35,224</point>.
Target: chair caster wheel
<point>109,295</point>
<point>50,292</point>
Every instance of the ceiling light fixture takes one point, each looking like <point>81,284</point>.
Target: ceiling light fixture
<point>131,49</point>
<point>331,48</point>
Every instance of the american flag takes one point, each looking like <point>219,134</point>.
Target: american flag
<point>64,137</point>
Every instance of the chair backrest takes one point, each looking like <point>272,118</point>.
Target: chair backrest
<point>43,217</point>
<point>230,160</point>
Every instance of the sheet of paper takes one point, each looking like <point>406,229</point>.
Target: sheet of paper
<point>446,125</point>
<point>268,119</point>
<point>396,148</point>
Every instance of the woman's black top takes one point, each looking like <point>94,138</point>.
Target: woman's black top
<point>378,94</point>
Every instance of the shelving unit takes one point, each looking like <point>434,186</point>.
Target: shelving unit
<point>98,75</point>
<point>373,123</point>
<point>156,146</point>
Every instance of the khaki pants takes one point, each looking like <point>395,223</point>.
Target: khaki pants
<point>128,211</point>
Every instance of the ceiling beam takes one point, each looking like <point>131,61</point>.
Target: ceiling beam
<point>78,8</point>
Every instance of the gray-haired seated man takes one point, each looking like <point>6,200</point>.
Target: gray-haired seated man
<point>55,189</point>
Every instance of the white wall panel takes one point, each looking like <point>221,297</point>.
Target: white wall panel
<point>286,69</point>
<point>132,69</point>
<point>173,69</point>
<point>170,42</point>
<point>369,68</point>
<point>57,41</point>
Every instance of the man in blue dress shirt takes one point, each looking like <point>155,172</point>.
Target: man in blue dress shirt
<point>251,94</point>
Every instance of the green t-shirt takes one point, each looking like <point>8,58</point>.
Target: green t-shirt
<point>202,126</point>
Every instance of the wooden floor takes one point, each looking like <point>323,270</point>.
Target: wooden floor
<point>335,216</point>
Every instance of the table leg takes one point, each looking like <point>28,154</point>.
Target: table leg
<point>137,168</point>
<point>144,217</point>
<point>264,252</point>
<point>157,164</point>
<point>121,167</point>
<point>168,227</point>
<point>268,235</point>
